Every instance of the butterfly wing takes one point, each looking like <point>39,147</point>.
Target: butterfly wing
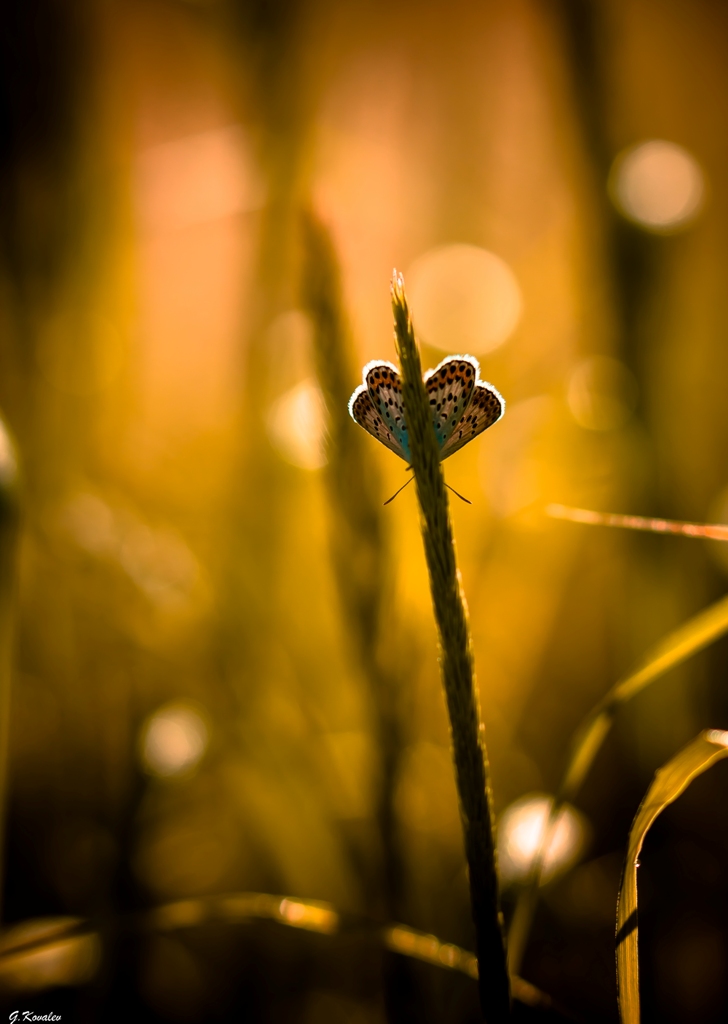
<point>364,412</point>
<point>486,408</point>
<point>462,406</point>
<point>450,387</point>
<point>385,391</point>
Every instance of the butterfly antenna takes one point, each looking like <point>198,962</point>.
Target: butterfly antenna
<point>399,491</point>
<point>466,500</point>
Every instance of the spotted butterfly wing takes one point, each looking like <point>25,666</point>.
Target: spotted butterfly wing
<point>462,406</point>
<point>379,419</point>
<point>450,388</point>
<point>385,391</point>
<point>486,408</point>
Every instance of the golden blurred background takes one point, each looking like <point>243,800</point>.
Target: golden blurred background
<point>219,683</point>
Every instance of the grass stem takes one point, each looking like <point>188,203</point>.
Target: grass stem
<point>458,672</point>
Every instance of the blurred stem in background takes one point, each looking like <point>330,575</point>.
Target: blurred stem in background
<point>360,550</point>
<point>629,253</point>
<point>8,545</point>
<point>270,38</point>
<point>458,673</point>
<point>362,560</point>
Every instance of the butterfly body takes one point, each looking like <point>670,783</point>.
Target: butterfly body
<point>461,405</point>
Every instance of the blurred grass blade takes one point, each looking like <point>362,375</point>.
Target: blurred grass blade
<point>686,640</point>
<point>670,781</point>
<point>359,541</point>
<point>43,952</point>
<point>695,634</point>
<point>46,953</point>
<point>712,531</point>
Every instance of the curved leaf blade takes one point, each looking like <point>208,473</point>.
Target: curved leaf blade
<point>670,781</point>
<point>692,636</point>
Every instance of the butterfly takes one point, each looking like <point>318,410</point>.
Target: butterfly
<point>462,406</point>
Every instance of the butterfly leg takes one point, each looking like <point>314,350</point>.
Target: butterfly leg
<point>466,500</point>
<point>399,490</point>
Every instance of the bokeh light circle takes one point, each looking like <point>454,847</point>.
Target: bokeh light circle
<point>297,426</point>
<point>463,298</point>
<point>8,463</point>
<point>520,831</point>
<point>658,185</point>
<point>173,739</point>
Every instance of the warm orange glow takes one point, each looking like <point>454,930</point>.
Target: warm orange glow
<point>464,298</point>
<point>416,944</point>
<point>602,393</point>
<point>80,355</point>
<point>517,463</point>
<point>195,179</point>
<point>8,465</point>
<point>658,184</point>
<point>157,559</point>
<point>296,426</point>
<point>311,916</point>
<point>59,960</point>
<point>173,740</point>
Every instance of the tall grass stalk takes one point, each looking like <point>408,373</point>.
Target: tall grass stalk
<point>458,672</point>
<point>8,544</point>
